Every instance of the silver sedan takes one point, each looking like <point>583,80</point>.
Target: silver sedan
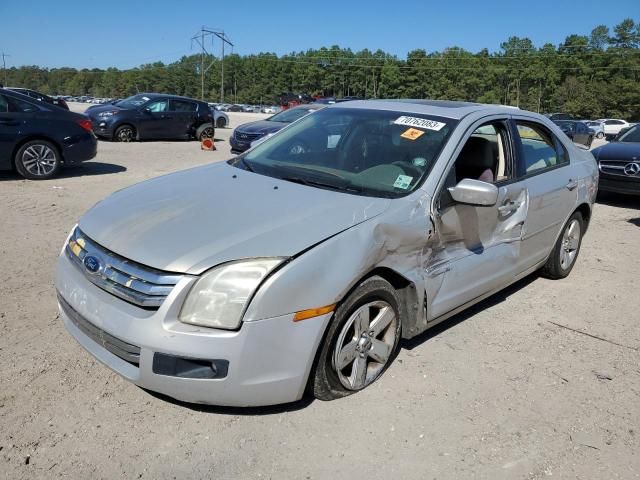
<point>299,265</point>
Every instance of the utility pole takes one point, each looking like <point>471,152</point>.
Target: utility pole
<point>4,67</point>
<point>200,40</point>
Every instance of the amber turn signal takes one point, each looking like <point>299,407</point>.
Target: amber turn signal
<point>313,312</point>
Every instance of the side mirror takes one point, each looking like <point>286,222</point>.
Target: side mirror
<point>146,110</point>
<point>474,192</point>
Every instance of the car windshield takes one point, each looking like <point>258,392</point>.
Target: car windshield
<point>133,102</point>
<point>288,116</point>
<point>366,152</point>
<point>631,135</point>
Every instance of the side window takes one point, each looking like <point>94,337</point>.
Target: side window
<point>4,105</point>
<point>183,106</point>
<point>21,106</point>
<point>159,106</point>
<point>539,148</point>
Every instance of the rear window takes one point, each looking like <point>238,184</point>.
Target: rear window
<point>20,106</point>
<point>4,105</point>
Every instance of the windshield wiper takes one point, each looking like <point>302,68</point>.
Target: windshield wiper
<point>322,184</point>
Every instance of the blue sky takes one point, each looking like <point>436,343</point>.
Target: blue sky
<point>127,33</point>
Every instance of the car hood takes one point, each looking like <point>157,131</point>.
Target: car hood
<point>261,126</point>
<point>192,220</point>
<point>618,151</point>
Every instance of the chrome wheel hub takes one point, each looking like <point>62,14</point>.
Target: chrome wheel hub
<point>570,243</point>
<point>365,344</point>
<point>39,160</point>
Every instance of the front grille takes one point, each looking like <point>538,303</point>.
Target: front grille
<point>617,167</point>
<point>138,284</point>
<point>126,351</point>
<point>247,137</point>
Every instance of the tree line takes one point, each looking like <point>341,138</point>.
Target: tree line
<point>589,76</point>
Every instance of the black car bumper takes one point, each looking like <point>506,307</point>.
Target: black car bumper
<point>238,146</point>
<point>619,184</point>
<point>102,127</point>
<point>79,148</point>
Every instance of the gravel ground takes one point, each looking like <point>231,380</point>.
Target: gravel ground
<point>501,391</point>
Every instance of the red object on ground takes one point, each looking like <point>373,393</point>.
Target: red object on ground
<point>207,144</point>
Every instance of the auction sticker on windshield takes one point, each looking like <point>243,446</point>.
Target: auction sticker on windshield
<point>412,133</point>
<point>419,123</point>
<point>403,182</point>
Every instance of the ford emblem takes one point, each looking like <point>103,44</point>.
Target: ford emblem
<point>91,264</point>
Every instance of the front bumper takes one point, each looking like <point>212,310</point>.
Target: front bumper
<point>103,127</point>
<point>268,360</point>
<point>619,184</point>
<point>238,146</point>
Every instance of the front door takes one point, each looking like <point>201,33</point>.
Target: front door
<point>476,250</point>
<point>154,120</point>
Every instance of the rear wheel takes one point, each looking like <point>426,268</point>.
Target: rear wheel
<point>205,131</point>
<point>565,252</point>
<point>600,135</point>
<point>221,122</point>
<point>38,160</point>
<point>124,133</point>
<point>361,341</point>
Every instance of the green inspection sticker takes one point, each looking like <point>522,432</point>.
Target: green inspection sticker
<point>403,182</point>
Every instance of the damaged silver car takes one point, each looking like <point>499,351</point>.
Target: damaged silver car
<point>299,265</point>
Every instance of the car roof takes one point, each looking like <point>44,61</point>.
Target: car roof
<point>439,108</point>
<point>167,95</point>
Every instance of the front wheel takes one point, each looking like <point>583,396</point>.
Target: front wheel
<point>361,341</point>
<point>600,135</point>
<point>124,133</point>
<point>565,252</point>
<point>38,160</point>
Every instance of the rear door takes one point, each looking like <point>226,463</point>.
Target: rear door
<point>476,250</point>
<point>8,133</point>
<point>184,114</point>
<point>543,165</point>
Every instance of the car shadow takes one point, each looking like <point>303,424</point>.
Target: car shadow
<point>634,221</point>
<point>404,344</point>
<point>245,411</point>
<point>80,170</point>
<point>489,302</point>
<point>619,200</point>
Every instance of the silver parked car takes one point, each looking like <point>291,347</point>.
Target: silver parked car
<point>299,265</point>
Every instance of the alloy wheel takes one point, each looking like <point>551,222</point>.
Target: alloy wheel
<point>125,134</point>
<point>570,244</point>
<point>39,160</point>
<point>365,344</point>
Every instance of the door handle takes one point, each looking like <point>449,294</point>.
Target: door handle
<point>9,121</point>
<point>509,207</point>
<point>572,184</point>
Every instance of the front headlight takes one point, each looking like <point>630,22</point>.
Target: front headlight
<point>218,299</point>
<point>110,113</point>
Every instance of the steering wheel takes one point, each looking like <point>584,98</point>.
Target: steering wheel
<point>408,168</point>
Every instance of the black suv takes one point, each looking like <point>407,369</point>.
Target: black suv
<point>152,116</point>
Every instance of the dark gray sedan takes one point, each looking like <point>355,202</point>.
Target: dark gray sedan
<point>250,132</point>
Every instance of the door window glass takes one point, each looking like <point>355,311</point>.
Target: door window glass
<point>183,106</point>
<point>159,106</point>
<point>4,106</point>
<point>483,156</point>
<point>21,106</point>
<point>538,147</point>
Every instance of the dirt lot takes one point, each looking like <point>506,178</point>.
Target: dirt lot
<point>501,391</point>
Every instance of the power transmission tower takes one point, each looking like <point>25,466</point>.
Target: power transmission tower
<point>4,67</point>
<point>199,38</point>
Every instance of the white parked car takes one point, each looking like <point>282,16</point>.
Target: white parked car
<point>612,126</point>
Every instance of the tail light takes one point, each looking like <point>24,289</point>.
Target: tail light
<point>86,124</point>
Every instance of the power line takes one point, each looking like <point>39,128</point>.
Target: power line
<point>200,39</point>
<point>4,67</point>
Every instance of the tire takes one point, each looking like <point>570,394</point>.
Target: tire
<point>589,142</point>
<point>565,252</point>
<point>600,135</point>
<point>125,133</point>
<point>353,344</point>
<point>38,160</point>
<point>221,122</point>
<point>205,130</point>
